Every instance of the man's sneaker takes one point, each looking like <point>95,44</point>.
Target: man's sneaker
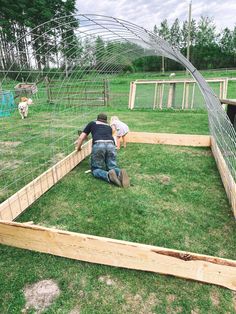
<point>124,178</point>
<point>113,177</point>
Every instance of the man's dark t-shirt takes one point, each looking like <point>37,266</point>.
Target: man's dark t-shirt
<point>100,131</point>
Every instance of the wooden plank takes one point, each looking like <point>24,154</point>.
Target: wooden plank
<point>227,179</point>
<point>228,102</point>
<point>18,202</point>
<point>175,81</point>
<point>100,250</point>
<point>169,139</point>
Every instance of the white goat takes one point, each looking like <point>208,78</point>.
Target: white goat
<point>172,75</point>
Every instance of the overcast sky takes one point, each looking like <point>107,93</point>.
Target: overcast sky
<point>147,13</point>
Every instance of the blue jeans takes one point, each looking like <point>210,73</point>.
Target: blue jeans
<point>103,159</point>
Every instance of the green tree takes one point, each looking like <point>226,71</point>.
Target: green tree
<point>206,32</point>
<point>175,34</point>
<point>17,18</point>
<point>164,31</point>
<point>226,41</point>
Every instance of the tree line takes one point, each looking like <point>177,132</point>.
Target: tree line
<point>25,45</point>
<point>209,49</point>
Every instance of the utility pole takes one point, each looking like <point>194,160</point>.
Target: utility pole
<point>189,31</point>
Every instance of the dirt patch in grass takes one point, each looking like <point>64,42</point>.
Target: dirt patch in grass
<point>2,192</point>
<point>12,164</point>
<point>137,304</point>
<point>10,144</point>
<point>90,219</point>
<point>170,308</point>
<point>8,147</point>
<point>170,298</point>
<point>234,301</point>
<point>40,295</point>
<point>162,178</point>
<point>75,311</point>
<point>107,280</point>
<point>194,152</point>
<point>214,296</point>
<point>58,157</point>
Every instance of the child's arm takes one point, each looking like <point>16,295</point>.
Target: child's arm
<point>114,133</point>
<point>113,129</point>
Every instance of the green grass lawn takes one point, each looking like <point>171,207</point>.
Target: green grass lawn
<point>176,201</point>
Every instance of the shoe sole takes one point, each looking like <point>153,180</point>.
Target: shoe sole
<point>124,178</point>
<point>113,177</point>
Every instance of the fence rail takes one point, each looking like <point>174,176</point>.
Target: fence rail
<point>178,94</point>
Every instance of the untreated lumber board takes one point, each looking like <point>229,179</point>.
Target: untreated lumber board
<point>132,95</point>
<point>18,202</point>
<point>227,179</point>
<point>176,81</point>
<point>169,139</point>
<point>228,102</point>
<point>100,250</point>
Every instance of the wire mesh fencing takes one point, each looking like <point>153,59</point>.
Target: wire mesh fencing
<point>73,61</point>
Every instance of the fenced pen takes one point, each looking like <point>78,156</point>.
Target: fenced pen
<point>78,93</point>
<point>65,101</point>
<point>175,94</point>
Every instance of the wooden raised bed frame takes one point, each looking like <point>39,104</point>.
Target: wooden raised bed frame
<point>93,249</point>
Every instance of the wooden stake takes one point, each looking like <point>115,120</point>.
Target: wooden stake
<point>155,97</point>
<point>186,95</point>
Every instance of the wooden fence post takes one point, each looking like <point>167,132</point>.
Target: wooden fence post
<point>183,98</point>
<point>193,94</point>
<point>155,97</point>
<point>171,95</point>
<point>186,95</point>
<point>161,94</point>
<point>132,95</point>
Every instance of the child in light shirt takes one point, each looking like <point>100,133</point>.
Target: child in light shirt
<point>120,130</point>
